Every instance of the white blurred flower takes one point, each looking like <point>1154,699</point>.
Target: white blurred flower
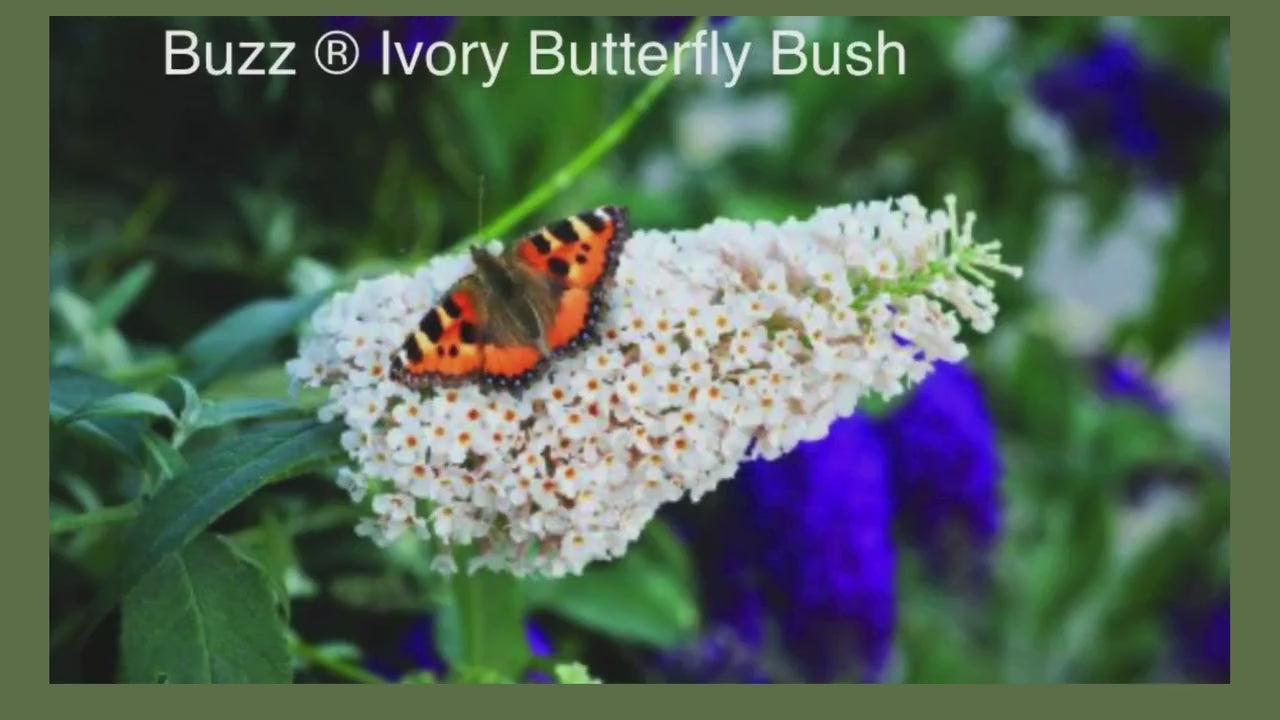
<point>1139,525</point>
<point>717,124</point>
<point>981,42</point>
<point>1090,283</point>
<point>1197,380</point>
<point>732,341</point>
<point>1046,136</point>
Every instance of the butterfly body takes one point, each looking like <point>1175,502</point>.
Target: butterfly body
<point>502,324</point>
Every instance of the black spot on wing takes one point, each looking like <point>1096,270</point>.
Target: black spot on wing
<point>453,351</point>
<point>412,351</point>
<point>580,259</point>
<point>469,333</point>
<point>558,266</point>
<point>592,220</point>
<point>431,325</point>
<point>452,308</point>
<point>563,231</point>
<point>541,244</point>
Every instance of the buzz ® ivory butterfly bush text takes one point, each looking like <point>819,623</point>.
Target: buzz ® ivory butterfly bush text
<point>730,342</point>
<point>705,54</point>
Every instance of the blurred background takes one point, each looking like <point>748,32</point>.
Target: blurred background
<point>1055,509</point>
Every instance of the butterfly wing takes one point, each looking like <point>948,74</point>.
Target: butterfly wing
<point>445,346</point>
<point>579,256</point>
<point>458,341</point>
<point>578,251</point>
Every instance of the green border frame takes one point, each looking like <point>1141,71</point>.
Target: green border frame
<point>26,42</point>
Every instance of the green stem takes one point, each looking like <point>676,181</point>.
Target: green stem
<point>470,620</point>
<point>965,260</point>
<point>587,157</point>
<point>93,518</point>
<point>488,611</point>
<point>898,287</point>
<point>338,667</point>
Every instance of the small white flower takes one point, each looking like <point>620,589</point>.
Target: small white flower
<point>353,482</point>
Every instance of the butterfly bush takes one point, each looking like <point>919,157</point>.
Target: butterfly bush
<point>727,343</point>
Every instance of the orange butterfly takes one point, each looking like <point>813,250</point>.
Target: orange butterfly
<point>503,323</point>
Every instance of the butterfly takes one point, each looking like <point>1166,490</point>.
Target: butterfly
<point>505,322</point>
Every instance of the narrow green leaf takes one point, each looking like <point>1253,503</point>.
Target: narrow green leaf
<point>216,480</point>
<point>117,299</point>
<point>165,456</point>
<point>62,519</point>
<point>203,615</point>
<point>103,346</point>
<point>76,314</point>
<point>248,330</point>
<point>71,389</point>
<point>308,275</point>
<point>647,596</point>
<point>223,412</point>
<point>127,404</point>
<point>192,405</point>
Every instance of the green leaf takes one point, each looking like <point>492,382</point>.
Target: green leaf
<point>203,615</point>
<point>76,313</point>
<point>166,457</point>
<point>103,346</point>
<point>117,299</point>
<point>250,329</point>
<point>127,404</point>
<point>71,389</point>
<point>192,405</point>
<point>216,480</point>
<point>223,412</point>
<point>647,596</point>
<point>308,275</point>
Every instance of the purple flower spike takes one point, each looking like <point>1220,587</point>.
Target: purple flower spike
<point>822,514</point>
<point>946,467</point>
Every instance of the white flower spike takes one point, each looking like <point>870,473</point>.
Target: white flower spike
<point>732,341</point>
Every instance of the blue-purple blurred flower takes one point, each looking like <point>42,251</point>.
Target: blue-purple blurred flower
<point>1123,378</point>
<point>820,533</point>
<point>418,651</point>
<point>539,647</point>
<point>419,646</point>
<point>1203,640</point>
<point>672,27</point>
<point>720,655</point>
<point>946,468</point>
<point>1147,115</point>
<point>408,31</point>
<point>1222,328</point>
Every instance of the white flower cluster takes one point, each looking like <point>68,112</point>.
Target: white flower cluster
<point>733,341</point>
